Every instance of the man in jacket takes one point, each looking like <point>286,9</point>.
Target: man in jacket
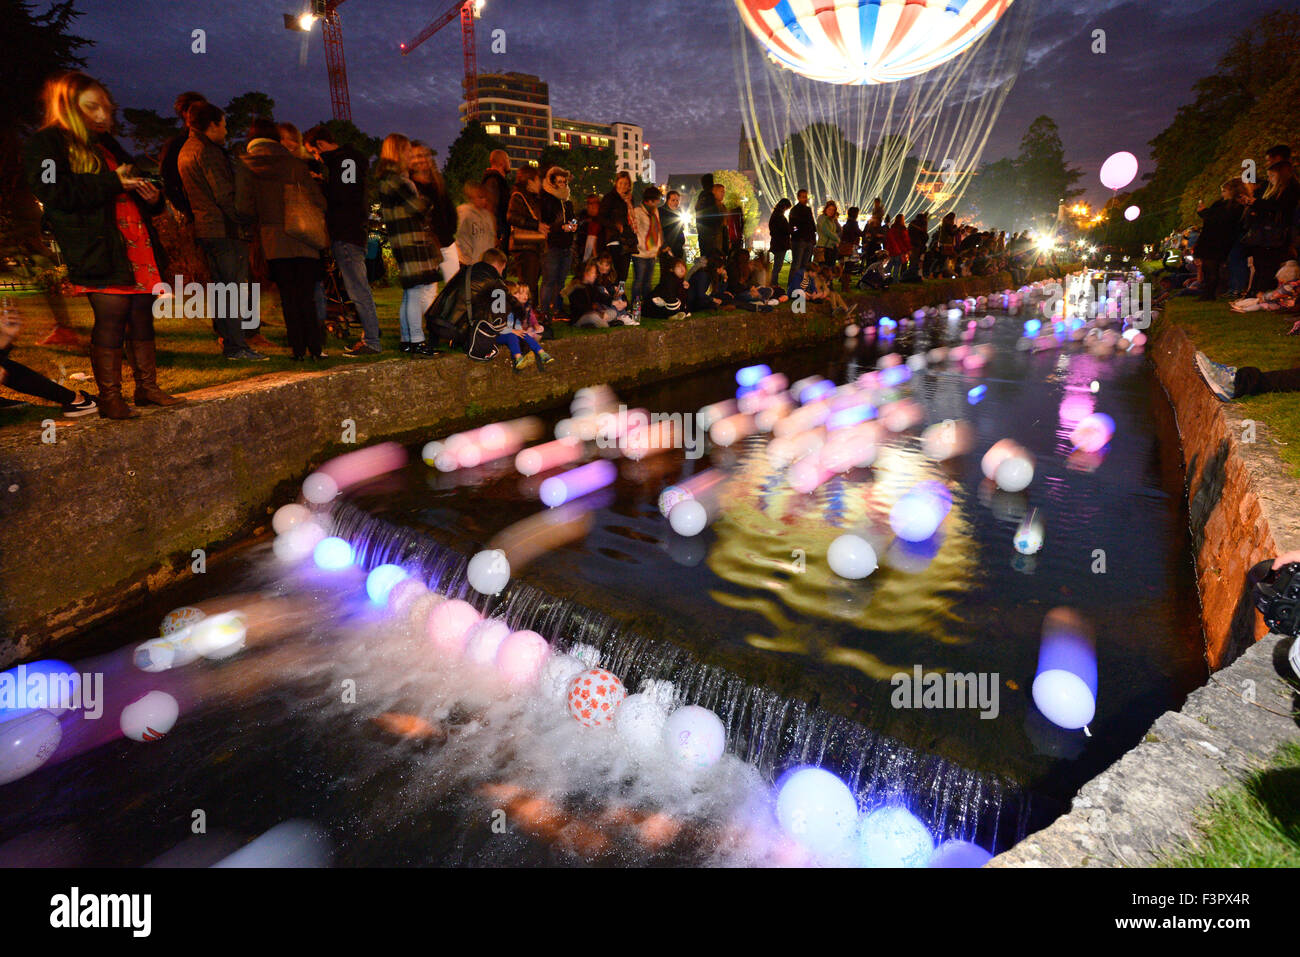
<point>557,213</point>
<point>496,181</point>
<point>708,219</point>
<point>169,167</point>
<point>478,294</point>
<point>346,213</point>
<point>209,183</point>
<point>803,232</point>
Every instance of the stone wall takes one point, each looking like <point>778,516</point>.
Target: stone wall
<point>113,510</point>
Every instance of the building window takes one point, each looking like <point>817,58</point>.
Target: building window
<point>493,128</point>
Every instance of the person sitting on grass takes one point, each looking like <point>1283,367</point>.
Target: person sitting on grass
<point>708,287</point>
<point>590,300</point>
<point>612,288</point>
<point>470,311</point>
<point>744,287</point>
<point>1232,382</point>
<point>1279,299</point>
<point>761,276</point>
<point>523,330</point>
<point>669,297</point>
<point>19,378</point>
<point>824,290</point>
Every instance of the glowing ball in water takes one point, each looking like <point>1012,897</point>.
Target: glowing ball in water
<point>1032,327</point>
<point>956,853</point>
<point>484,639</point>
<point>688,518</point>
<point>695,737</point>
<point>299,542</point>
<point>891,836</point>
<point>381,581</point>
<point>1093,433</point>
<point>917,515</point>
<point>332,554</point>
<point>179,618</point>
<point>489,571</point>
<point>521,657</point>
<point>1015,472</point>
<point>946,440</point>
<point>403,595</point>
<point>916,362</point>
<point>1029,535</point>
<point>976,395</point>
<point>287,516</point>
<point>594,696</point>
<point>567,486</point>
<point>558,673</point>
<point>449,624</point>
<point>639,722</point>
<point>851,557</point>
<point>816,808</point>
<point>26,743</point>
<point>220,636</point>
<point>150,717</point>
<point>1065,682</point>
<point>1132,213</point>
<point>852,331</point>
<point>319,488</point>
<point>750,376</point>
<point>49,684</point>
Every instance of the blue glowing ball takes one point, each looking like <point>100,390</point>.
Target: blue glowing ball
<point>816,809</point>
<point>975,395</point>
<point>853,415</point>
<point>960,854</point>
<point>750,376</point>
<point>1032,327</point>
<point>891,836</point>
<point>41,685</point>
<point>381,581</point>
<point>895,376</point>
<point>332,554</point>
<point>887,323</point>
<point>818,390</point>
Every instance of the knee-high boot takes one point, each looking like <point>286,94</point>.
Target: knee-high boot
<point>107,365</point>
<point>144,367</point>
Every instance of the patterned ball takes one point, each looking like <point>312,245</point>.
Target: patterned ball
<point>179,618</point>
<point>594,696</point>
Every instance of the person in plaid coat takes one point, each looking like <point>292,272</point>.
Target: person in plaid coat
<point>405,211</point>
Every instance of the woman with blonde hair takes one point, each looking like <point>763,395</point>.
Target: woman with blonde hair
<point>405,211</point>
<point>99,208</point>
<point>1220,230</point>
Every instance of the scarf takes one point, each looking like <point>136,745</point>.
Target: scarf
<point>654,237</point>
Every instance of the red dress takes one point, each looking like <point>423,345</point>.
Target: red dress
<point>139,248</point>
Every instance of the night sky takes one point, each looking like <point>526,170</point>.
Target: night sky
<point>667,66</point>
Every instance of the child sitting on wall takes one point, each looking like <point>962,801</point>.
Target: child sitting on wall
<point>523,330</point>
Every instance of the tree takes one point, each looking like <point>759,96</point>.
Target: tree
<point>346,133</point>
<point>740,194</point>
<point>32,46</point>
<point>1044,179</point>
<point>243,109</point>
<point>591,169</point>
<point>468,158</point>
<point>150,131</point>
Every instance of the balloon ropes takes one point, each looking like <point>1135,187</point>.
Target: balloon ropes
<point>857,99</point>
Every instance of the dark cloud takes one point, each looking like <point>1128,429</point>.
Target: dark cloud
<point>665,65</point>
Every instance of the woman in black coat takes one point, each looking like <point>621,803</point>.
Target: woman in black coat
<point>778,227</point>
<point>99,209</point>
<point>1220,230</point>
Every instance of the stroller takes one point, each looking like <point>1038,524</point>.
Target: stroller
<point>340,312</point>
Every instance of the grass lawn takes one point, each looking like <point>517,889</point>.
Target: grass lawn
<point>1252,824</point>
<point>1249,339</point>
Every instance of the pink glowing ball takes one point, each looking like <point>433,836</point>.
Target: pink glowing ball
<point>403,595</point>
<point>521,657</point>
<point>483,640</point>
<point>594,696</point>
<point>1118,171</point>
<point>449,625</point>
<point>995,456</point>
<point>1093,433</point>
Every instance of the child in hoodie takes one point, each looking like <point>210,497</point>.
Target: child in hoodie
<point>523,330</point>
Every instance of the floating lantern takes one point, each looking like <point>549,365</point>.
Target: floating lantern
<point>639,722</point>
<point>332,554</point>
<point>732,429</point>
<point>548,455</point>
<point>220,636</point>
<point>26,743</point>
<point>180,618</point>
<point>695,737</point>
<point>1119,170</point>
<point>891,836</point>
<point>520,658</point>
<point>816,809</point>
<point>946,440</point>
<point>1065,683</point>
<point>150,717</point>
<point>976,395</point>
<point>852,557</point>
<point>489,571</point>
<point>298,542</point>
<point>1015,472</point>
<point>594,696</point>
<point>381,581</point>
<point>688,518</point>
<point>1094,432</point>
<point>449,624</point>
<point>404,595</point>
<point>751,376</point>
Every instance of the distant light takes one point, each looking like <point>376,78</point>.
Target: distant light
<point>305,21</point>
<point>1132,213</point>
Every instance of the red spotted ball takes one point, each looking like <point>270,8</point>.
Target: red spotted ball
<point>594,696</point>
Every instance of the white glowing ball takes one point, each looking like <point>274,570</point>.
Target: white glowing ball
<point>916,362</point>
<point>489,571</point>
<point>688,518</point>
<point>298,542</point>
<point>521,657</point>
<point>449,625</point>
<point>851,331</point>
<point>319,488</point>
<point>955,853</point>
<point>150,717</point>
<point>694,737</point>
<point>1064,698</point>
<point>179,619</point>
<point>484,639</point>
<point>852,557</point>
<point>1029,536</point>
<point>159,654</point>
<point>891,836</point>
<point>287,516</point>
<point>816,809</point>
<point>382,580</point>
<point>1015,472</point>
<point>431,451</point>
<point>916,516</point>
<point>557,673</point>
<point>26,743</point>
<point>1132,213</point>
<point>639,722</point>
<point>220,636</point>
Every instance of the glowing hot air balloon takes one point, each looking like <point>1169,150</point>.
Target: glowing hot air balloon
<point>867,42</point>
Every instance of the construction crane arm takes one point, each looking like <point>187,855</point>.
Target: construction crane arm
<point>433,27</point>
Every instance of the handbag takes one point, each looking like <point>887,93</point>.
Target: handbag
<point>303,219</point>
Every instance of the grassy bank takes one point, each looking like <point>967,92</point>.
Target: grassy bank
<point>1249,339</point>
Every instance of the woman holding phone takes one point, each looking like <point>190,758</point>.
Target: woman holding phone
<point>99,209</point>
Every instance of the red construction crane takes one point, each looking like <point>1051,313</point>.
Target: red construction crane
<point>327,11</point>
<point>468,10</point>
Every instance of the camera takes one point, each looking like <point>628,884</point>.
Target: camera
<point>1277,595</point>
